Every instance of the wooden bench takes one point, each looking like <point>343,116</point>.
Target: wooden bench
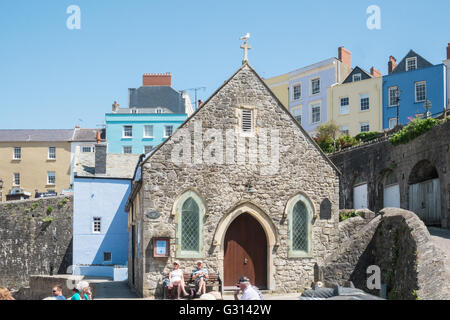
<point>213,281</point>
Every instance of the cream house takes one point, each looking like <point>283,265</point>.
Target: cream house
<point>356,104</point>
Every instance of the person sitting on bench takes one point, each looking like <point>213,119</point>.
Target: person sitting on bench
<point>200,276</point>
<point>176,278</point>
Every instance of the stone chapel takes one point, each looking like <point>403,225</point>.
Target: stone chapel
<point>242,187</point>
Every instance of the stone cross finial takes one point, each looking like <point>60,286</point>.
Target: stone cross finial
<point>245,47</point>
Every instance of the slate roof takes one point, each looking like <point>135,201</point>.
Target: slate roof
<point>421,62</point>
<point>119,166</point>
<point>364,75</point>
<point>40,135</point>
<point>157,96</point>
<point>87,135</point>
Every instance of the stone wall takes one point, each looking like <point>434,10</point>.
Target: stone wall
<point>399,243</point>
<point>302,170</point>
<point>373,161</point>
<point>36,239</point>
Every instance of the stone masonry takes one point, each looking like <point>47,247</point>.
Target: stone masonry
<point>36,239</point>
<point>303,169</point>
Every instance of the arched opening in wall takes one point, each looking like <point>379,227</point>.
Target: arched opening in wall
<point>425,193</point>
<point>360,193</point>
<point>391,190</point>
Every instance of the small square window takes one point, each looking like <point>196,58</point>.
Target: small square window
<point>52,153</point>
<point>128,131</point>
<point>365,127</point>
<point>107,256</point>
<point>17,155</point>
<point>357,77</point>
<point>315,86</point>
<point>168,130</point>
<point>51,178</point>
<point>148,131</point>
<point>97,225</point>
<point>127,149</point>
<point>87,149</point>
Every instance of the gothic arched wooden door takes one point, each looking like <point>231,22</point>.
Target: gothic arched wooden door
<point>245,252</point>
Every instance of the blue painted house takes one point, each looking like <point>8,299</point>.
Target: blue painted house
<point>102,184</point>
<point>409,85</point>
<point>155,111</point>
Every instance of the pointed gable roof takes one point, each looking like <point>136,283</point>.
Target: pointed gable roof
<point>280,105</point>
<point>364,75</point>
<point>421,62</point>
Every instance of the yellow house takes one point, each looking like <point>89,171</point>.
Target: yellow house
<point>35,161</point>
<point>280,87</point>
<point>356,104</point>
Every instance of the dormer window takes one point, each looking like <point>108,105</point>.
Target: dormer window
<point>357,77</point>
<point>411,64</point>
<point>134,110</point>
<point>159,110</point>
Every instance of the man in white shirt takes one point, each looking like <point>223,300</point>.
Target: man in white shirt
<point>249,292</point>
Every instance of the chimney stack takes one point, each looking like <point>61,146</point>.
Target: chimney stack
<point>115,106</point>
<point>100,158</point>
<point>448,51</point>
<point>375,73</point>
<point>345,56</point>
<point>392,64</point>
<point>157,79</point>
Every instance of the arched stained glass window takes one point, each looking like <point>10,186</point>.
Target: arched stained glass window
<point>190,226</point>
<point>300,213</point>
<point>300,227</point>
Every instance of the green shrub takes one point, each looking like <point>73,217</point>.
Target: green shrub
<point>326,144</point>
<point>344,215</point>
<point>49,210</point>
<point>414,129</point>
<point>34,205</point>
<point>367,136</point>
<point>62,203</point>
<point>345,141</point>
<point>48,219</point>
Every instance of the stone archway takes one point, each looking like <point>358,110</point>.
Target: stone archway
<point>424,195</point>
<point>267,226</point>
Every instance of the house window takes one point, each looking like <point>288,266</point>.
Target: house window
<point>52,153</point>
<point>16,179</point>
<point>365,105</point>
<point>97,225</point>
<point>315,113</point>
<point>127,149</point>
<point>148,131</point>
<point>134,110</point>
<point>315,86</point>
<point>159,110</point>
<point>127,131</point>
<point>421,91</point>
<point>17,155</point>
<point>300,215</point>
<point>392,123</point>
<point>247,121</point>
<point>87,149</point>
<point>51,178</point>
<point>107,256</point>
<point>297,113</point>
<point>345,105</point>
<point>297,92</point>
<point>344,130</point>
<point>411,64</point>
<point>357,77</point>
<point>190,211</point>
<point>168,131</point>
<point>147,149</point>
<point>393,96</point>
<point>365,127</point>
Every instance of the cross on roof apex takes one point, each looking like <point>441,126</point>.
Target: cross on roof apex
<point>245,47</point>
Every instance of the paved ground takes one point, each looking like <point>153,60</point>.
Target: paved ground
<point>441,237</point>
<point>110,290</point>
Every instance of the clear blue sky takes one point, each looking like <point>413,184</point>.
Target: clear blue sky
<point>51,76</point>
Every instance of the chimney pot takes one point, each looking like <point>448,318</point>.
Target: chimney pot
<point>100,158</point>
<point>375,73</point>
<point>345,56</point>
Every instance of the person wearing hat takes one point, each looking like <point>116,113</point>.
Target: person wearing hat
<point>176,278</point>
<point>249,292</point>
<point>200,276</point>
